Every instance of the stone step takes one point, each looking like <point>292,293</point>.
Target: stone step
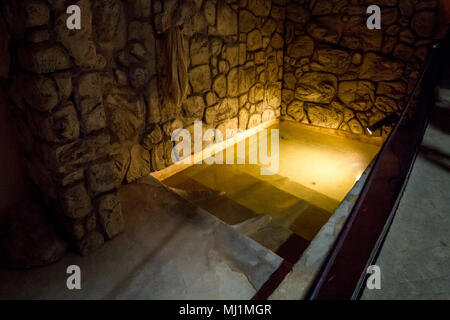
<point>214,201</point>
<point>293,188</point>
<point>258,227</point>
<point>244,200</point>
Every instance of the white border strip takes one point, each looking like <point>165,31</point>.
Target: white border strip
<point>211,150</point>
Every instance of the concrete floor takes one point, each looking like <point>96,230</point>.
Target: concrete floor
<point>170,250</point>
<point>415,257</point>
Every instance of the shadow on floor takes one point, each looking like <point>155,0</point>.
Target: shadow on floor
<point>435,156</point>
<point>441,119</point>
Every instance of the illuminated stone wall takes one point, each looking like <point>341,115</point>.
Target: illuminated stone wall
<point>227,57</point>
<point>339,74</point>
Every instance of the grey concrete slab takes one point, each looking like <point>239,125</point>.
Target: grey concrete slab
<point>415,257</point>
<point>169,250</point>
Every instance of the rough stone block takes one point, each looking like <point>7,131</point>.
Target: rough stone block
<point>377,67</point>
<point>324,28</point>
<point>126,114</point>
<point>91,242</point>
<point>332,60</point>
<point>70,177</point>
<point>101,177</point>
<point>110,214</point>
<point>423,23</point>
<point>61,126</point>
<point>355,126</point>
<point>230,54</point>
<point>66,158</point>
<point>227,127</point>
<point>277,41</point>
<point>40,93</point>
<point>243,119</point>
<point>357,95</point>
<point>210,115</point>
<point>227,20</point>
<point>170,126</point>
<point>138,76</point>
<point>199,51</point>
<point>386,104</point>
<point>273,94</point>
<point>200,79</point>
<point>396,89</point>
<point>255,119</point>
<point>107,19</point>
<point>38,36</point>
<point>233,84</point>
<point>158,162</point>
<point>326,117</point>
<point>75,201</point>
<point>139,165</point>
<point>37,13</point>
<point>140,8</point>
<point>260,8</point>
<point>227,109</point>
<point>152,137</point>
<point>64,83</point>
<point>79,44</point>
<point>41,58</point>
<point>295,110</point>
<point>195,105</point>
<point>90,222</point>
<point>297,13</point>
<point>256,93</point>
<point>403,52</point>
<point>247,21</point>
<point>316,87</point>
<point>153,101</point>
<point>88,92</point>
<point>94,120</point>
<point>254,40</point>
<point>268,115</point>
<point>247,76</point>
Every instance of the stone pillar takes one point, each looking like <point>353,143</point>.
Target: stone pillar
<point>58,96</point>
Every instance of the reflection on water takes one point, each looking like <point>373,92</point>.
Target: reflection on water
<point>316,171</point>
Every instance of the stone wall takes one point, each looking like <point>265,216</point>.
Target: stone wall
<point>215,61</point>
<point>339,74</point>
<point>58,102</point>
